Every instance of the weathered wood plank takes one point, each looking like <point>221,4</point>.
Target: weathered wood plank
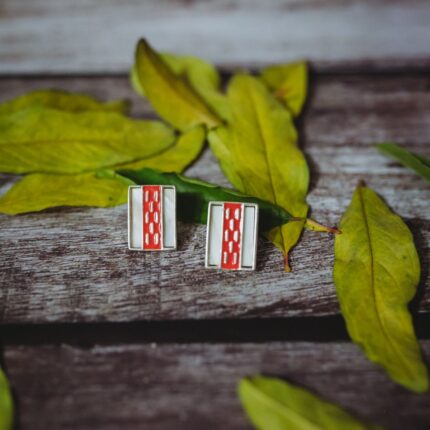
<point>85,36</point>
<point>73,264</point>
<point>193,386</point>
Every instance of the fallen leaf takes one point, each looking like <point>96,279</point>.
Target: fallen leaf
<point>258,153</point>
<point>202,77</point>
<point>419,164</point>
<point>41,191</point>
<point>177,157</point>
<point>39,139</point>
<point>171,95</point>
<point>61,100</point>
<point>376,273</point>
<point>289,83</point>
<point>273,404</point>
<point>6,404</point>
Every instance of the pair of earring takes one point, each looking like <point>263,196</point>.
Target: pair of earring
<point>231,237</point>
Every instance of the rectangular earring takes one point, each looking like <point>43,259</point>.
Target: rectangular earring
<point>151,217</point>
<point>231,238</point>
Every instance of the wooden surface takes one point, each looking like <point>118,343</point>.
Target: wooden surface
<point>74,300</point>
<point>93,36</point>
<point>73,264</point>
<point>193,386</point>
<point>94,336</point>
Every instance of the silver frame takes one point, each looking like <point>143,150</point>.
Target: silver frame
<point>130,211</point>
<point>241,267</point>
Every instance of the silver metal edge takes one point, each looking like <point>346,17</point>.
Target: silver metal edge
<point>208,223</point>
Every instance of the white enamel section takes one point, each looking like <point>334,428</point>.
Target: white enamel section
<point>249,236</point>
<point>168,196</point>
<point>135,218</point>
<point>214,235</point>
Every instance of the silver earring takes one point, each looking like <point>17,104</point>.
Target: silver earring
<point>231,238</point>
<point>151,217</point>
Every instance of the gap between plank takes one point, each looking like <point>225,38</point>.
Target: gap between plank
<point>253,330</point>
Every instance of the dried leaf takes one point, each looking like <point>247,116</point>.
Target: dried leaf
<point>289,83</point>
<point>272,404</point>
<point>172,96</point>
<point>177,157</point>
<point>258,152</point>
<point>376,272</point>
<point>61,100</point>
<point>39,139</point>
<point>415,162</point>
<point>194,196</point>
<point>6,404</point>
<point>41,191</point>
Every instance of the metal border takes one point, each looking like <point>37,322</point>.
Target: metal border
<point>241,267</point>
<point>130,211</point>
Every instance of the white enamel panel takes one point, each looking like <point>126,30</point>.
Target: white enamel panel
<point>169,217</point>
<point>135,218</point>
<point>214,234</point>
<point>249,236</point>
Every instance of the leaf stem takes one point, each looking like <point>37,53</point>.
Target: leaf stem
<point>310,224</point>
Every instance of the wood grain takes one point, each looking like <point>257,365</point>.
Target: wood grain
<point>72,264</point>
<point>166,386</point>
<point>86,36</point>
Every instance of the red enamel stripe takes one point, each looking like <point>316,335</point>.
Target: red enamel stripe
<point>231,236</point>
<point>152,215</point>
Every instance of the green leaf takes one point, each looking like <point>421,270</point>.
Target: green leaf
<point>415,162</point>
<point>177,157</point>
<point>202,77</point>
<point>38,139</point>
<point>172,96</point>
<point>6,404</point>
<point>41,191</point>
<point>61,100</point>
<point>194,196</point>
<point>289,83</point>
<point>272,404</point>
<point>258,153</point>
<point>376,272</point>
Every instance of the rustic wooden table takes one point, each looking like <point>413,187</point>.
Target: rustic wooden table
<point>95,336</point>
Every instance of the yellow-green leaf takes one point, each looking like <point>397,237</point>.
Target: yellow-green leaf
<point>289,83</point>
<point>273,404</point>
<point>376,272</point>
<point>171,95</point>
<point>36,192</point>
<point>177,157</point>
<point>419,164</point>
<point>39,139</point>
<point>6,404</point>
<point>203,78</point>
<point>258,152</point>
<point>62,100</point>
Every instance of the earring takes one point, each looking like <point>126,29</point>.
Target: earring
<point>231,238</point>
<point>151,218</point>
